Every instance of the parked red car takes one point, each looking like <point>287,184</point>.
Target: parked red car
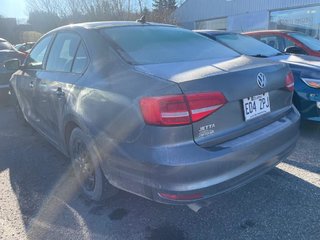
<point>289,41</point>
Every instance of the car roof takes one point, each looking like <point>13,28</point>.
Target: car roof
<point>3,40</point>
<point>108,24</point>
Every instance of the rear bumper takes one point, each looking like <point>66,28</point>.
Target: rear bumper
<point>191,170</point>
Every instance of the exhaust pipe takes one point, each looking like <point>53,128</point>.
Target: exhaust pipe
<point>198,205</point>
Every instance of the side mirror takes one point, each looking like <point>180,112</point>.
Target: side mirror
<point>294,50</point>
<point>12,65</point>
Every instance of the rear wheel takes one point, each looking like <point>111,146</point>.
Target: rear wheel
<point>86,167</point>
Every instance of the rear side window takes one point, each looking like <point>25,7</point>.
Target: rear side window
<point>37,54</point>
<point>160,44</point>
<point>62,52</point>
<point>272,41</point>
<point>81,60</point>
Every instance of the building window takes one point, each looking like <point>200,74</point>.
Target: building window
<point>305,20</point>
<point>213,24</point>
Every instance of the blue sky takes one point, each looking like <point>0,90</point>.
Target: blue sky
<point>13,8</point>
<point>17,8</point>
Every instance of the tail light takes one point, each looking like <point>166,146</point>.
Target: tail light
<point>180,109</point>
<point>166,110</point>
<point>203,104</point>
<point>314,83</point>
<point>290,82</point>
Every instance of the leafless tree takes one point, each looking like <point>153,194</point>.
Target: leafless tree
<point>49,6</point>
<point>71,11</point>
<point>141,5</point>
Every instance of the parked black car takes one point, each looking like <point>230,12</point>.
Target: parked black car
<point>7,52</point>
<point>156,110</point>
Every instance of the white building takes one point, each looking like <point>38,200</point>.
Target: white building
<point>247,15</point>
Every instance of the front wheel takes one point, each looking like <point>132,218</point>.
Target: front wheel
<point>86,167</point>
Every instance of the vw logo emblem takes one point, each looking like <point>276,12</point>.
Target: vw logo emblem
<point>261,80</point>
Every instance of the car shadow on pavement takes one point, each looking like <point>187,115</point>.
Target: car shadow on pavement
<point>278,205</point>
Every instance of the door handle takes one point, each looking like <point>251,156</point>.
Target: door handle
<point>31,84</point>
<point>60,93</point>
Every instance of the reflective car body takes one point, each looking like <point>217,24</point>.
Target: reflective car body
<point>282,39</point>
<point>166,108</point>
<point>306,69</point>
<point>7,52</point>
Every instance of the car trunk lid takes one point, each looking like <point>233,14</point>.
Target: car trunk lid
<point>237,80</point>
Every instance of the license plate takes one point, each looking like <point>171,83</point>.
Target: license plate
<point>256,106</point>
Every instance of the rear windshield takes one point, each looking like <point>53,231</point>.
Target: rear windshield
<point>247,45</point>
<point>310,42</point>
<point>160,44</point>
<point>5,46</point>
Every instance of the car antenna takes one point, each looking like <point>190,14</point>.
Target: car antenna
<point>142,19</point>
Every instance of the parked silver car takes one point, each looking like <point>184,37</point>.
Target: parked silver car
<point>156,110</point>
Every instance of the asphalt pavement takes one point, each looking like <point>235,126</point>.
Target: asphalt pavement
<point>38,201</point>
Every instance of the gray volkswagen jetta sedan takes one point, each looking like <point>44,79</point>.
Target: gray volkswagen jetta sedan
<point>156,110</point>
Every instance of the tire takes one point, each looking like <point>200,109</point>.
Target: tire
<point>86,166</point>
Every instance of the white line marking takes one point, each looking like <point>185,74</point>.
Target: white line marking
<point>305,175</point>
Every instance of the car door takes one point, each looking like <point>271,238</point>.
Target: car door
<point>55,82</point>
<point>25,84</point>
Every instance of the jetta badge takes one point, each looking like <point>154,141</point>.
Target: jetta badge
<point>261,80</point>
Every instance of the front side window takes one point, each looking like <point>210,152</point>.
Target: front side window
<point>62,52</point>
<point>36,56</point>
<point>159,44</point>
<point>81,60</point>
<point>288,43</point>
<point>310,42</point>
